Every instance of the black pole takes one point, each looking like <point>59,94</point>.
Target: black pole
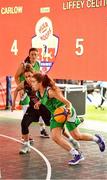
<point>8,92</point>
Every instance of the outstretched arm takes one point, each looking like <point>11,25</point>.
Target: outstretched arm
<point>18,88</point>
<point>60,97</point>
<point>19,71</point>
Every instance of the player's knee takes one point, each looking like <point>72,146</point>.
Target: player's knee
<point>77,136</point>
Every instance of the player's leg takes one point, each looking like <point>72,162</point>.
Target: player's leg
<point>74,142</point>
<point>103,92</point>
<point>43,132</point>
<point>72,125</point>
<point>28,118</point>
<point>76,134</point>
<point>56,134</point>
<point>24,108</point>
<point>26,121</point>
<point>45,117</point>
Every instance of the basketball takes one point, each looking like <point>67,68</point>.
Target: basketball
<point>60,115</point>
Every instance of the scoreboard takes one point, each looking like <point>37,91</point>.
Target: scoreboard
<point>71,37</point>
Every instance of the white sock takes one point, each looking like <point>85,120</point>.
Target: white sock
<point>70,139</point>
<point>73,152</point>
<point>26,143</point>
<point>41,123</point>
<point>42,127</point>
<point>95,139</point>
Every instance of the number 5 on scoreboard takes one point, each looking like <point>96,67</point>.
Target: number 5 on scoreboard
<point>14,48</point>
<point>79,46</point>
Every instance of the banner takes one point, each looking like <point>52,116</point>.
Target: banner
<point>71,37</point>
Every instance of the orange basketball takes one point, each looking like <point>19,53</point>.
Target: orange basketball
<point>60,114</point>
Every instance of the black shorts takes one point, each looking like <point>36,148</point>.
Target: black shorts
<point>33,115</point>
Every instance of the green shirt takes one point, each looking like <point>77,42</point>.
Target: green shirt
<point>50,103</point>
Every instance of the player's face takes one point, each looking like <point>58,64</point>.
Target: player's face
<point>35,85</point>
<point>28,77</point>
<point>33,56</point>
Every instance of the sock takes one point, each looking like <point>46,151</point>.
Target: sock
<point>42,127</point>
<point>41,123</point>
<point>27,143</point>
<point>70,139</point>
<point>75,143</point>
<point>95,139</point>
<point>73,152</point>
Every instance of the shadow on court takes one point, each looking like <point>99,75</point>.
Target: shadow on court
<point>32,165</point>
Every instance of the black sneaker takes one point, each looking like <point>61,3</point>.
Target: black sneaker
<point>44,134</point>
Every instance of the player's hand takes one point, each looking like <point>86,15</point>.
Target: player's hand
<point>12,107</point>
<point>36,106</point>
<point>69,113</point>
<point>21,92</point>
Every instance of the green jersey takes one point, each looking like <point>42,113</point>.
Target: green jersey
<point>51,104</point>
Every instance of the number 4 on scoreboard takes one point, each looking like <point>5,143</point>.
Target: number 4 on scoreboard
<point>14,48</point>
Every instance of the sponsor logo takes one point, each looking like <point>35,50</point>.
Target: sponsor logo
<point>46,42</point>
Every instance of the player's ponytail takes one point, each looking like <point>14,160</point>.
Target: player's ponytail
<point>46,81</point>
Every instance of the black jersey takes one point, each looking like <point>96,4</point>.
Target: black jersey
<point>30,93</point>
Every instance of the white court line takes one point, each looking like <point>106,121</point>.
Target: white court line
<point>45,159</point>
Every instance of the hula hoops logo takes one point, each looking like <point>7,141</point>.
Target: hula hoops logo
<point>46,42</point>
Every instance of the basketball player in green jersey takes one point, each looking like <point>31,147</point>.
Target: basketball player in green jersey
<point>19,77</point>
<point>51,97</point>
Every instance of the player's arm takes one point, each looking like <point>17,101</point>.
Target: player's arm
<point>18,88</point>
<point>58,95</point>
<point>19,71</point>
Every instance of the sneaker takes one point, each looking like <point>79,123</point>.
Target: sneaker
<point>25,148</point>
<point>31,140</point>
<point>100,142</point>
<point>102,108</point>
<point>82,158</point>
<point>76,159</point>
<point>44,134</point>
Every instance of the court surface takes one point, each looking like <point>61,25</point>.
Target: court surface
<point>46,160</point>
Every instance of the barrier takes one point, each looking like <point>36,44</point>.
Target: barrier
<point>76,94</point>
<point>2,92</point>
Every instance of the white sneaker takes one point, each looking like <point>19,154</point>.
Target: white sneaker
<point>25,148</point>
<point>31,140</point>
